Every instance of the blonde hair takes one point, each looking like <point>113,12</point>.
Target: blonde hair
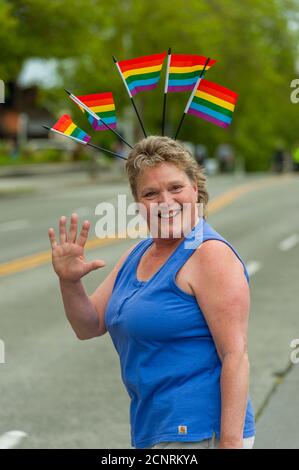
<point>155,149</point>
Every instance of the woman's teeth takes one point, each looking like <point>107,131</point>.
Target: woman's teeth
<point>169,214</point>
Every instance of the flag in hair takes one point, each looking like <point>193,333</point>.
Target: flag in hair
<point>142,73</point>
<point>102,104</point>
<point>66,126</point>
<point>213,103</point>
<point>184,70</point>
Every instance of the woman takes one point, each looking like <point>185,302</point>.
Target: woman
<point>177,313</point>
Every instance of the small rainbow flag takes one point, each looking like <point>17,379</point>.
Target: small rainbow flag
<point>142,73</point>
<point>213,103</point>
<point>101,104</point>
<point>67,127</point>
<point>184,70</point>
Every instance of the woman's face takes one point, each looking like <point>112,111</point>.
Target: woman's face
<point>169,200</point>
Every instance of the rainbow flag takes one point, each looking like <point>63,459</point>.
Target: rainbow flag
<point>67,127</point>
<point>184,70</point>
<point>213,103</point>
<point>102,104</point>
<point>142,73</point>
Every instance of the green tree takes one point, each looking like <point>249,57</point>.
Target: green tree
<point>253,41</point>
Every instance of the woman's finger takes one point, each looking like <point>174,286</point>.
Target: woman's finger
<point>52,238</point>
<point>73,229</point>
<point>93,265</point>
<point>84,233</point>
<point>62,229</point>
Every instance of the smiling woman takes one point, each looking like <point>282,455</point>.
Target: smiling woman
<point>154,150</point>
<point>176,308</point>
<point>167,182</point>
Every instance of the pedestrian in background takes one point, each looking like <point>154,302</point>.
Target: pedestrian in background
<point>201,153</point>
<point>225,157</point>
<point>278,158</point>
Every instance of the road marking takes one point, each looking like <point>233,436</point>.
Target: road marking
<point>39,259</point>
<point>289,242</point>
<point>227,198</point>
<point>253,267</point>
<point>32,261</point>
<point>11,439</point>
<point>13,225</point>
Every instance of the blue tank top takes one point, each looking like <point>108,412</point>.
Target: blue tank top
<point>168,359</point>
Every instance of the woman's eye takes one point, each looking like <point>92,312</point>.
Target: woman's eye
<point>149,194</point>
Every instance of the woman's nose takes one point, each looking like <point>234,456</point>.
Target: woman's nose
<point>166,197</point>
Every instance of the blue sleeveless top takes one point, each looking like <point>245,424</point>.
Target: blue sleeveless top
<point>168,359</point>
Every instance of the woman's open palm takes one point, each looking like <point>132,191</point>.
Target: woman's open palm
<point>68,255</point>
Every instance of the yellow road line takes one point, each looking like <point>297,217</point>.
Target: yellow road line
<point>44,257</point>
<point>227,198</point>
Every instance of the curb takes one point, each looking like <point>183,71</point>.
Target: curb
<point>49,169</point>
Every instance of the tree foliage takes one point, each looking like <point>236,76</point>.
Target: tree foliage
<point>253,41</point>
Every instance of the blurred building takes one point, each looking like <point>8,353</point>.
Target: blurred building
<point>21,116</point>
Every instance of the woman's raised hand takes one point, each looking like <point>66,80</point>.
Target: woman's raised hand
<point>68,255</point>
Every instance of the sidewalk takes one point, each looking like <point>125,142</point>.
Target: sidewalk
<point>36,178</point>
<point>277,427</point>
<point>43,169</point>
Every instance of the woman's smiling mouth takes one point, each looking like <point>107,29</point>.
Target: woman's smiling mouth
<point>170,214</point>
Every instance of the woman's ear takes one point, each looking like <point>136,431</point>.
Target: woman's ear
<point>195,187</point>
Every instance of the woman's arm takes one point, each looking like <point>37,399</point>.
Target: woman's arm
<point>85,314</point>
<point>80,311</point>
<point>222,292</point>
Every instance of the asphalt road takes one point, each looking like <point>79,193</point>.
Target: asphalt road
<point>59,392</point>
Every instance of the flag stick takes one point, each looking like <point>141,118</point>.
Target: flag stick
<point>180,125</point>
<point>165,90</point>
<point>95,116</point>
<point>107,151</point>
<point>85,143</point>
<point>130,95</point>
<point>191,98</point>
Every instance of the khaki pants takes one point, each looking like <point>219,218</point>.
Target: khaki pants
<point>212,443</point>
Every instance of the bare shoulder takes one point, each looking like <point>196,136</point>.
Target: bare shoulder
<point>215,264</point>
<point>113,273</point>
<point>216,254</point>
<point>124,256</point>
<point>222,292</point>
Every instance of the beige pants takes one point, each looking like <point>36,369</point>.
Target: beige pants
<point>212,443</point>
